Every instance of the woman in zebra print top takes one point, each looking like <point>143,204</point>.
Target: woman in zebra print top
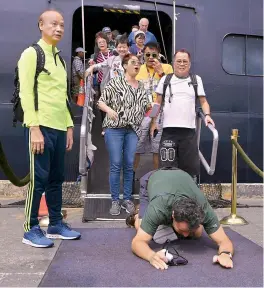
<point>125,102</point>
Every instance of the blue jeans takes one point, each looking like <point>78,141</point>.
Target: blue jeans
<point>121,144</point>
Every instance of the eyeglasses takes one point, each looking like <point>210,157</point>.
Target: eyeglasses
<point>184,62</point>
<point>134,62</point>
<point>177,260</point>
<point>154,55</point>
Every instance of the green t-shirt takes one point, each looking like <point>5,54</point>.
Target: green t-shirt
<point>165,187</point>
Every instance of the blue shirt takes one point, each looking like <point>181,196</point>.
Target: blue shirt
<point>149,38</point>
<point>134,49</point>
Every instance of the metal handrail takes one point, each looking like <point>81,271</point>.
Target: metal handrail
<point>209,169</point>
<point>86,126</point>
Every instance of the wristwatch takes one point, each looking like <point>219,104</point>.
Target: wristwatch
<point>162,74</point>
<point>226,252</point>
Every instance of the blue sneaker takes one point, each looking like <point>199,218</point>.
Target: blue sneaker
<point>62,231</point>
<point>36,237</point>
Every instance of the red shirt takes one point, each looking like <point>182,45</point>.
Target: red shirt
<point>101,58</point>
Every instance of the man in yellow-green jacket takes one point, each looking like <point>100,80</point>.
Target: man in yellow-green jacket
<point>49,131</point>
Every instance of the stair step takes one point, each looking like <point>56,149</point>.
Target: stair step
<point>96,207</point>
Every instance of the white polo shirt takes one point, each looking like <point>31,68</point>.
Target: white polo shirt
<point>181,111</point>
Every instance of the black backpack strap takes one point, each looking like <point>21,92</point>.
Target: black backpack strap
<point>68,101</point>
<point>39,68</point>
<point>195,84</point>
<point>68,82</point>
<point>62,61</point>
<point>165,85</point>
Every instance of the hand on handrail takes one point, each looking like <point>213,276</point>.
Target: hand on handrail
<point>208,120</point>
<point>89,71</point>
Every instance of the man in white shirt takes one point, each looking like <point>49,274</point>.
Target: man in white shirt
<point>178,146</point>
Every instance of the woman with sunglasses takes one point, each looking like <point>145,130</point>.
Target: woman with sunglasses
<point>125,102</point>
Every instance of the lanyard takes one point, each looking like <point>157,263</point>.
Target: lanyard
<point>151,90</point>
<point>151,77</point>
<point>104,57</point>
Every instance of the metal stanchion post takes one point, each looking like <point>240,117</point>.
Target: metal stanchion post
<point>233,218</point>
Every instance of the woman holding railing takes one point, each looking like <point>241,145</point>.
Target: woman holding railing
<point>125,102</point>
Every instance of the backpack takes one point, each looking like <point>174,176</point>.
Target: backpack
<point>168,80</point>
<point>18,113</point>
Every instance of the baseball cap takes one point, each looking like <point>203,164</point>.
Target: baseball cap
<point>139,33</point>
<point>80,49</point>
<point>106,30</point>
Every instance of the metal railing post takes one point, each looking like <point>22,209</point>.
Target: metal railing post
<point>233,218</point>
<point>210,169</point>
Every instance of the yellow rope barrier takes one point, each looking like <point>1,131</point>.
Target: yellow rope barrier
<point>246,158</point>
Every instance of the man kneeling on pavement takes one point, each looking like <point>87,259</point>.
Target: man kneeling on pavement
<point>170,197</point>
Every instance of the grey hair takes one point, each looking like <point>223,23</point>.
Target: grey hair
<point>140,21</point>
<point>189,211</point>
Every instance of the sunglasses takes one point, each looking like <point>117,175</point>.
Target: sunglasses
<point>154,55</point>
<point>177,259</point>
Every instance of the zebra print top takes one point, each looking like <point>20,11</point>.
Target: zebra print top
<point>129,103</point>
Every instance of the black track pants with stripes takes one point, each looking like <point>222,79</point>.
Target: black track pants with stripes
<point>46,175</point>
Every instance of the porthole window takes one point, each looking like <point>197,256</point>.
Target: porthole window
<point>243,55</point>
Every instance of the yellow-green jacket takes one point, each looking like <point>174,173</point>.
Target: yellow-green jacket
<point>52,89</point>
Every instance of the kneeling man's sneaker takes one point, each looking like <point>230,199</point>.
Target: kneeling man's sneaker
<point>35,237</point>
<point>128,206</point>
<point>62,231</point>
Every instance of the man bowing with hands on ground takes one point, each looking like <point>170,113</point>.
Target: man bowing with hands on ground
<point>172,198</point>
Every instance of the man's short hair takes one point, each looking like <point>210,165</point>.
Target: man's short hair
<point>183,50</point>
<point>188,210</point>
<point>152,45</point>
<point>140,21</point>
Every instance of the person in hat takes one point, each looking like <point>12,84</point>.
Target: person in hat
<point>143,26</point>
<point>137,48</point>
<point>111,42</point>
<point>77,72</point>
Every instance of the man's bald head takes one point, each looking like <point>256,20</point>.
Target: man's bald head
<point>143,24</point>
<point>51,26</point>
<point>46,14</point>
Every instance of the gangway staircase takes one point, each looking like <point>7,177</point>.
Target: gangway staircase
<point>94,180</point>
